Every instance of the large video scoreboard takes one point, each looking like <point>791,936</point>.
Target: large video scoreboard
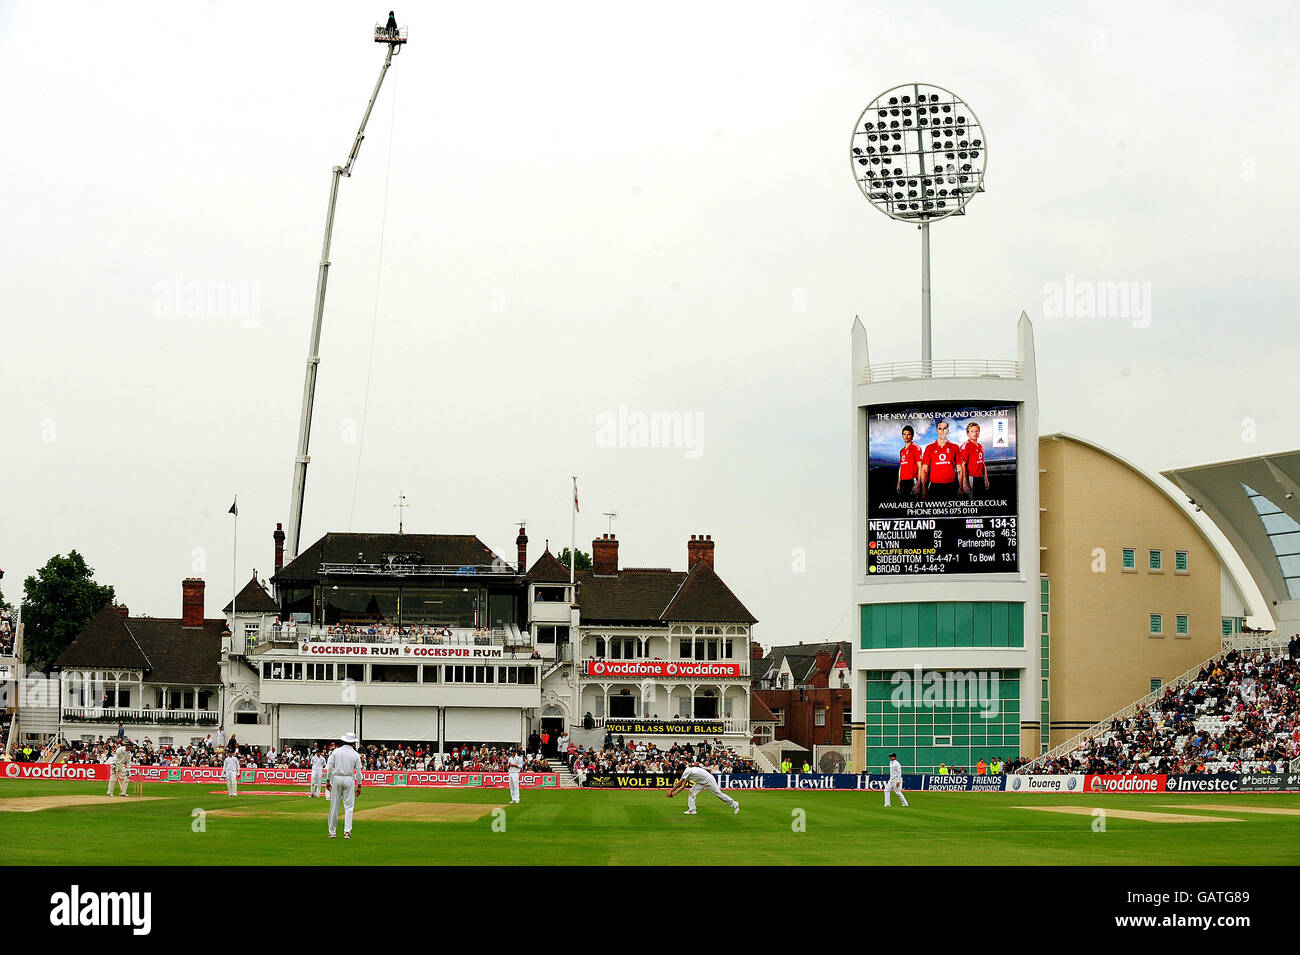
<point>941,489</point>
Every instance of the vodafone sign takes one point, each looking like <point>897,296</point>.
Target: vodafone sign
<point>68,771</point>
<point>1136,783</point>
<point>650,668</point>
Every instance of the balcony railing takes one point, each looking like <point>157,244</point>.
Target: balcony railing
<point>289,634</point>
<point>112,716</point>
<point>946,368</point>
<point>393,569</point>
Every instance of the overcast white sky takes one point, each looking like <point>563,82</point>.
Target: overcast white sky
<point>594,205</point>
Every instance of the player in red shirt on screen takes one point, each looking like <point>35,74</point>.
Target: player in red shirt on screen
<point>972,457</point>
<point>909,465</point>
<point>942,473</point>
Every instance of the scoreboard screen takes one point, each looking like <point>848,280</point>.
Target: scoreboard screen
<point>941,489</point>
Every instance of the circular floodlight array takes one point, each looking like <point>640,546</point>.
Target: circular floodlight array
<point>918,153</point>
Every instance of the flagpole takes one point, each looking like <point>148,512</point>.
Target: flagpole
<point>573,533</point>
<point>234,566</point>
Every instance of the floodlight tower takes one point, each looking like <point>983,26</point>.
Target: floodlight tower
<point>395,38</point>
<point>918,154</point>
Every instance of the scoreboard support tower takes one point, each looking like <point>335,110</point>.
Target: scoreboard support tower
<point>946,646</point>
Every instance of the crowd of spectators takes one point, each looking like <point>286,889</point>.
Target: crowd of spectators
<point>406,757</point>
<point>8,632</point>
<point>641,758</point>
<point>1240,714</point>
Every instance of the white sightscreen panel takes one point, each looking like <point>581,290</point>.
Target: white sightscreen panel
<point>416,723</point>
<point>483,724</point>
<point>302,721</point>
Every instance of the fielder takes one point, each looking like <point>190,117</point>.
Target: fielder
<point>230,770</point>
<point>317,775</point>
<point>895,783</point>
<point>514,765</point>
<point>343,776</point>
<point>121,768</point>
<point>700,778</point>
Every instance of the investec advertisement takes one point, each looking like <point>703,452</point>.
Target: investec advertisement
<point>941,489</point>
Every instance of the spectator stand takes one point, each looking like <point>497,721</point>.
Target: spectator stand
<point>1237,711</point>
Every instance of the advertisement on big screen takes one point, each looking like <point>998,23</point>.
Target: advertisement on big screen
<point>941,489</point>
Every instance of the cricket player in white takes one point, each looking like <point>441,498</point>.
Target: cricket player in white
<point>230,770</point>
<point>895,784</point>
<point>514,766</point>
<point>317,774</point>
<point>343,776</point>
<point>700,778</point>
<point>121,768</point>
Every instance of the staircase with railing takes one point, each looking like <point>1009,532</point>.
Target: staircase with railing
<point>761,762</point>
<point>56,745</point>
<point>563,655</point>
<point>561,769</point>
<point>1241,643</point>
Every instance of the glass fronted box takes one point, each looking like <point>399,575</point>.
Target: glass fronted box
<point>954,717</point>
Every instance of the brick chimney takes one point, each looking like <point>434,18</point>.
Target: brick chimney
<point>123,610</point>
<point>755,651</point>
<point>521,543</point>
<point>604,556</point>
<point>192,602</point>
<point>278,536</point>
<point>699,548</point>
<point>823,664</point>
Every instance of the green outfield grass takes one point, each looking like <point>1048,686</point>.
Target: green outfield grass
<point>641,828</point>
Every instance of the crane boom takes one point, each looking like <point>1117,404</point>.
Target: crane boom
<point>302,458</point>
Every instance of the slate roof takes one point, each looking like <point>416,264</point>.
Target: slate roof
<point>253,599</point>
<point>704,597</point>
<point>340,548</point>
<point>654,595</point>
<point>803,659</point>
<point>105,642</point>
<point>161,647</point>
<point>634,596</point>
<point>179,654</point>
<point>547,569</point>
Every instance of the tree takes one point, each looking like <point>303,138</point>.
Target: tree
<point>584,559</point>
<point>58,601</point>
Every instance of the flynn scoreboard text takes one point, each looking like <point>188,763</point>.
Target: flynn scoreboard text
<point>941,545</point>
